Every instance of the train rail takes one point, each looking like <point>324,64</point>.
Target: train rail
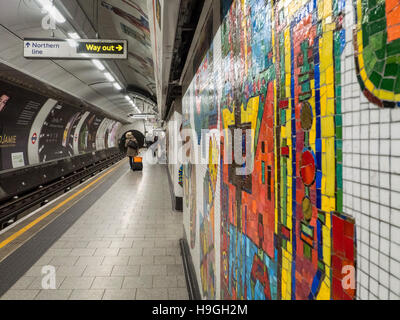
<point>19,204</point>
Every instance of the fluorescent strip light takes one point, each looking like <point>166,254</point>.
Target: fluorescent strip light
<point>143,116</point>
<point>45,3</point>
<point>109,77</point>
<point>73,35</point>
<point>117,86</point>
<point>52,10</point>
<point>128,98</point>
<point>98,64</point>
<point>57,15</point>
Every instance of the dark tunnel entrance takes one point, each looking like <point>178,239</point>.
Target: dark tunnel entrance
<point>137,134</point>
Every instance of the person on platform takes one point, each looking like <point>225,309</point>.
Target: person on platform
<point>132,148</point>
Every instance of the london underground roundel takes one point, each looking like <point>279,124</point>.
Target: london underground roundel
<point>34,138</point>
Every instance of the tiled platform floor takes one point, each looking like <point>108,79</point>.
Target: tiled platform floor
<point>124,247</point>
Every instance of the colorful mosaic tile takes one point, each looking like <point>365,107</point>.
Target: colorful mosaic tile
<point>277,69</point>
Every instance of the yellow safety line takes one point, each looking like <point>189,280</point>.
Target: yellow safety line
<point>33,223</point>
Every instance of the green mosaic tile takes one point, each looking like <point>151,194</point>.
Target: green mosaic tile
<point>387,84</point>
<point>391,70</point>
<point>263,172</point>
<point>339,200</point>
<point>338,95</point>
<point>365,35</point>
<point>307,230</point>
<point>338,120</point>
<point>339,180</point>
<point>306,139</point>
<point>321,217</point>
<point>380,54</point>
<point>337,79</point>
<point>321,266</point>
<point>376,79</point>
<point>376,41</point>
<point>370,58</point>
<point>304,77</point>
<point>305,97</point>
<point>337,62</point>
<point>319,29</point>
<point>371,3</point>
<point>379,65</point>
<point>377,26</point>
<point>397,85</point>
<point>339,157</point>
<point>307,251</point>
<point>283,117</point>
<point>393,47</point>
<point>339,133</point>
<point>377,13</point>
<point>393,59</point>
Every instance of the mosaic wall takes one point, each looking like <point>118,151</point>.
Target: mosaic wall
<point>377,46</point>
<point>284,69</point>
<point>175,166</point>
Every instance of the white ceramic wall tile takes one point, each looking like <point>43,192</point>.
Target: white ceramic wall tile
<point>377,132</point>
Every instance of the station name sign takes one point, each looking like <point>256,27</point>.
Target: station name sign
<point>81,49</point>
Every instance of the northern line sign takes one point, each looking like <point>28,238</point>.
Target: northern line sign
<point>80,49</point>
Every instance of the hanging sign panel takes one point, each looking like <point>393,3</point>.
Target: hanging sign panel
<point>81,49</point>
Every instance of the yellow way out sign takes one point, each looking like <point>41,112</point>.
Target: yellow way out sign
<point>80,49</point>
<point>101,48</point>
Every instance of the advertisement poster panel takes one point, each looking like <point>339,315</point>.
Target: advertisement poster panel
<point>18,109</point>
<point>55,137</point>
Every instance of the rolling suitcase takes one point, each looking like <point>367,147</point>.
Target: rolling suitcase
<point>137,164</point>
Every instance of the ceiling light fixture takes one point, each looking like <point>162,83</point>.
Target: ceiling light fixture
<point>98,64</point>
<point>57,15</point>
<point>128,98</point>
<point>117,86</point>
<point>52,10</point>
<point>143,116</point>
<point>74,35</point>
<point>109,77</point>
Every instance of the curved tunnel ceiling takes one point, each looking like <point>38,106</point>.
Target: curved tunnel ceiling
<point>112,19</point>
<point>126,19</point>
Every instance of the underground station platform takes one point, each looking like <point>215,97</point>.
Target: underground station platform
<point>199,158</point>
<point>102,242</point>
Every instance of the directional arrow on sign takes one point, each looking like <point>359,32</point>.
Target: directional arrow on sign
<point>120,48</point>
